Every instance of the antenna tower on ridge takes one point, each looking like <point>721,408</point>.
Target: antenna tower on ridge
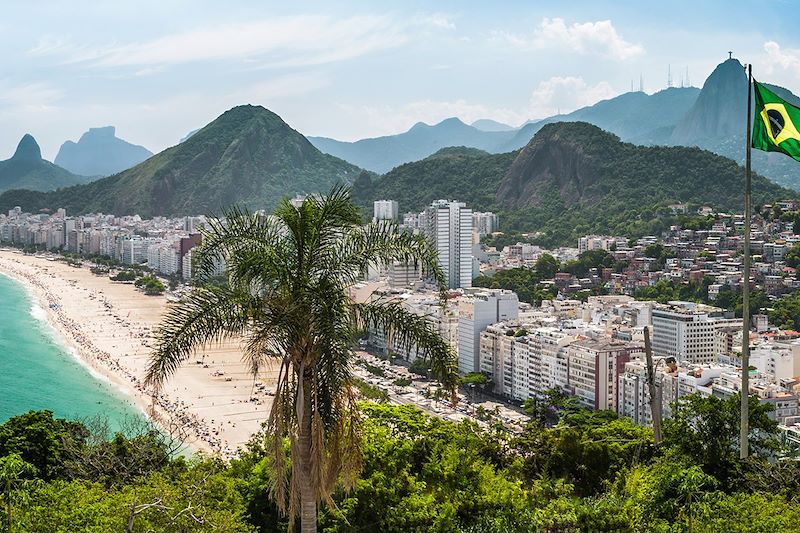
<point>669,76</point>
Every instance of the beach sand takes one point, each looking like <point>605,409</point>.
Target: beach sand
<point>110,326</point>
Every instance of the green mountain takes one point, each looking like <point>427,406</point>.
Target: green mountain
<point>99,152</point>
<point>573,179</point>
<point>26,169</point>
<point>248,156</point>
<point>634,116</point>
<point>716,122</point>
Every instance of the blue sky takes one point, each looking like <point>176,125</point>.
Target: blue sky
<point>348,70</point>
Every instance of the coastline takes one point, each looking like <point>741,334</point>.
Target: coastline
<point>108,327</point>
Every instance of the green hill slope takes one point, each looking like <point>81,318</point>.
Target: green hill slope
<point>573,179</point>
<point>248,156</point>
<point>26,169</point>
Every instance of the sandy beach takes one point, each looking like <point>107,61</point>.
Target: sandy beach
<point>213,398</point>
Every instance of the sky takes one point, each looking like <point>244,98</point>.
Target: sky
<point>350,69</point>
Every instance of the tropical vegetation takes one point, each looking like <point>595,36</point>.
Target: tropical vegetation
<point>287,296</point>
<point>569,470</point>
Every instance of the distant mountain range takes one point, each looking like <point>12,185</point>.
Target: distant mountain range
<point>99,152</point>
<point>27,170</point>
<point>712,118</point>
<point>248,156</point>
<point>572,179</point>
<point>637,117</point>
<point>486,124</point>
<point>382,154</point>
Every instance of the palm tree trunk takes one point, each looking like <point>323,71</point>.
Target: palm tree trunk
<point>308,500</point>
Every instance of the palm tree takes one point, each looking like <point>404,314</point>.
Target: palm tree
<point>287,295</point>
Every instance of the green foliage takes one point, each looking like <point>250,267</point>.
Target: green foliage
<point>40,440</point>
<point>547,266</point>
<point>420,366</point>
<point>201,499</point>
<point>526,282</point>
<point>785,313</point>
<point>150,285</point>
<point>124,275</point>
<point>588,260</point>
<point>577,471</point>
<point>373,369</point>
<point>706,429</point>
<point>666,290</point>
<point>549,409</point>
<point>501,240</point>
<point>370,392</point>
<point>474,378</point>
<point>793,256</point>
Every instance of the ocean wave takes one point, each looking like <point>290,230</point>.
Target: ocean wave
<point>38,313</point>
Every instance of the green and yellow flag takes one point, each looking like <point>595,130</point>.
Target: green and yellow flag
<point>776,123</point>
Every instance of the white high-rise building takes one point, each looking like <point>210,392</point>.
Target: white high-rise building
<point>485,223</point>
<point>385,210</point>
<point>687,331</point>
<point>449,228</point>
<point>475,313</point>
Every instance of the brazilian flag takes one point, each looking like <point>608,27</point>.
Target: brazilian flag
<point>776,124</point>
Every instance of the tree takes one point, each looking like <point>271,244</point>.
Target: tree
<point>41,440</point>
<point>793,255</point>
<point>13,472</point>
<point>287,295</point>
<point>547,266</point>
<point>705,430</point>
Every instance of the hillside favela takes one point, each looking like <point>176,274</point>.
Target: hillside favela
<point>400,267</point>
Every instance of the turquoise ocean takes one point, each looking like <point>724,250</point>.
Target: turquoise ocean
<point>37,371</point>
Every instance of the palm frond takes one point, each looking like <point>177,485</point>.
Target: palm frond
<point>208,315</point>
<point>410,330</point>
<point>239,232</point>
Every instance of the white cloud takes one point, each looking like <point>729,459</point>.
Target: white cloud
<point>565,94</point>
<point>439,20</point>
<point>31,96</point>
<point>588,38</point>
<point>291,85</point>
<point>781,58</point>
<point>283,41</point>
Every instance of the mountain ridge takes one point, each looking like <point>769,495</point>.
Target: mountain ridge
<point>633,115</point>
<point>99,152</point>
<point>247,156</point>
<point>572,179</point>
<point>27,169</point>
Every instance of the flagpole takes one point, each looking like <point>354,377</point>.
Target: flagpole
<point>745,393</point>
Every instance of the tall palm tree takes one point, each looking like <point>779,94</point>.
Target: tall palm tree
<point>287,296</point>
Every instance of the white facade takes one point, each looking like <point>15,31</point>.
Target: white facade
<point>385,210</point>
<point>688,331</point>
<point>634,395</point>
<point>485,223</point>
<point>476,312</point>
<point>449,228</point>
